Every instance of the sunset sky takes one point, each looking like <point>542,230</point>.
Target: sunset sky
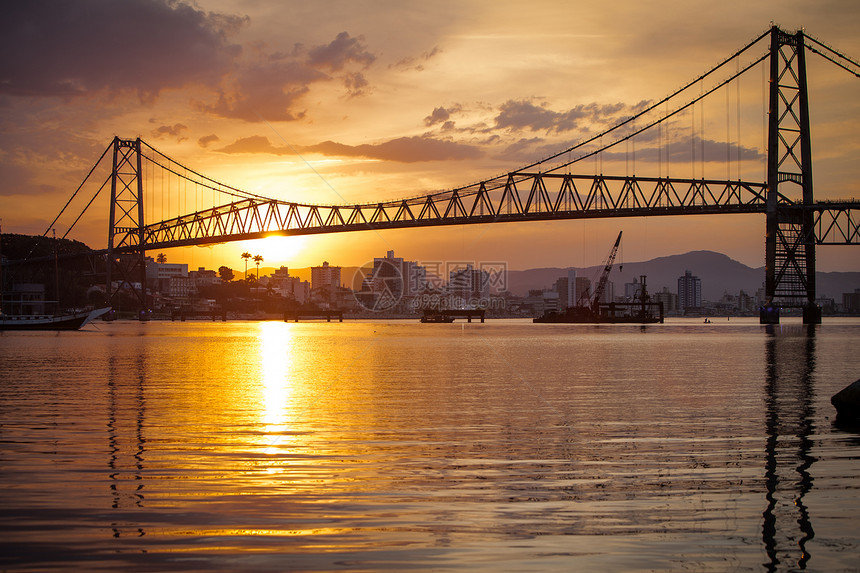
<point>334,102</point>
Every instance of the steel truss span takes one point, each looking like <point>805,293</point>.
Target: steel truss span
<point>795,223</point>
<point>524,197</point>
<point>836,223</point>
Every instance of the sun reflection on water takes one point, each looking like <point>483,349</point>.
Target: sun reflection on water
<point>276,361</point>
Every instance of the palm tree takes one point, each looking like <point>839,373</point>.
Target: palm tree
<point>246,255</point>
<point>258,259</point>
<point>161,258</point>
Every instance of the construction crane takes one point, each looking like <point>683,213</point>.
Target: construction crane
<point>604,278</point>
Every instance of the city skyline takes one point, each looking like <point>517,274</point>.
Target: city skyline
<point>661,272</point>
<point>457,286</point>
<point>359,108</point>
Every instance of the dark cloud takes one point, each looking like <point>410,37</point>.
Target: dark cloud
<point>271,87</point>
<point>254,144</point>
<point>207,140</point>
<point>266,90</point>
<point>340,52</point>
<point>356,84</point>
<point>443,115</point>
<point>174,130</point>
<point>402,149</point>
<point>682,150</point>
<point>415,63</point>
<point>522,148</point>
<point>439,115</point>
<point>76,47</point>
<point>527,150</point>
<point>521,115</point>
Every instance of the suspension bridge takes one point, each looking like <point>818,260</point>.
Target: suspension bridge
<point>549,189</point>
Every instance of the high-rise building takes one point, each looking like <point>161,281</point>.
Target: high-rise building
<point>669,300</point>
<point>325,277</point>
<point>390,270</point>
<point>387,276</point>
<point>571,288</point>
<point>689,291</point>
<point>325,281</point>
<point>469,282</point>
<point>562,287</point>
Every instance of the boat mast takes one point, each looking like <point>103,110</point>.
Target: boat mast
<point>56,272</point>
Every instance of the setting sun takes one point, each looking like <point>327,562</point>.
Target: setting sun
<point>276,250</point>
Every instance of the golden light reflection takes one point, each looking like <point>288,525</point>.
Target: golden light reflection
<point>276,357</point>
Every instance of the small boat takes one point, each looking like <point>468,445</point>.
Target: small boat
<point>73,321</point>
<point>437,318</point>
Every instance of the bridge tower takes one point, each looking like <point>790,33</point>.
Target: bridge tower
<point>790,233</point>
<point>126,262</point>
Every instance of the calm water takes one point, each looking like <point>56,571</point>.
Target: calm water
<point>371,446</point>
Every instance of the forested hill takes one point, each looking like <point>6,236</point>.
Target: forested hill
<point>17,247</point>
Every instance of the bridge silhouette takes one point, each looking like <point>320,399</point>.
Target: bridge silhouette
<point>795,223</point>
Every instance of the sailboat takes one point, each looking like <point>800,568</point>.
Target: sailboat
<point>70,321</point>
<point>24,312</point>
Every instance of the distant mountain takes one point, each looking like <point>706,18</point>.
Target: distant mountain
<point>719,273</point>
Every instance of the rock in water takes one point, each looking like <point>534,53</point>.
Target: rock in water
<point>847,402</point>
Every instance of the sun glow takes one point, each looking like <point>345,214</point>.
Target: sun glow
<point>276,250</point>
